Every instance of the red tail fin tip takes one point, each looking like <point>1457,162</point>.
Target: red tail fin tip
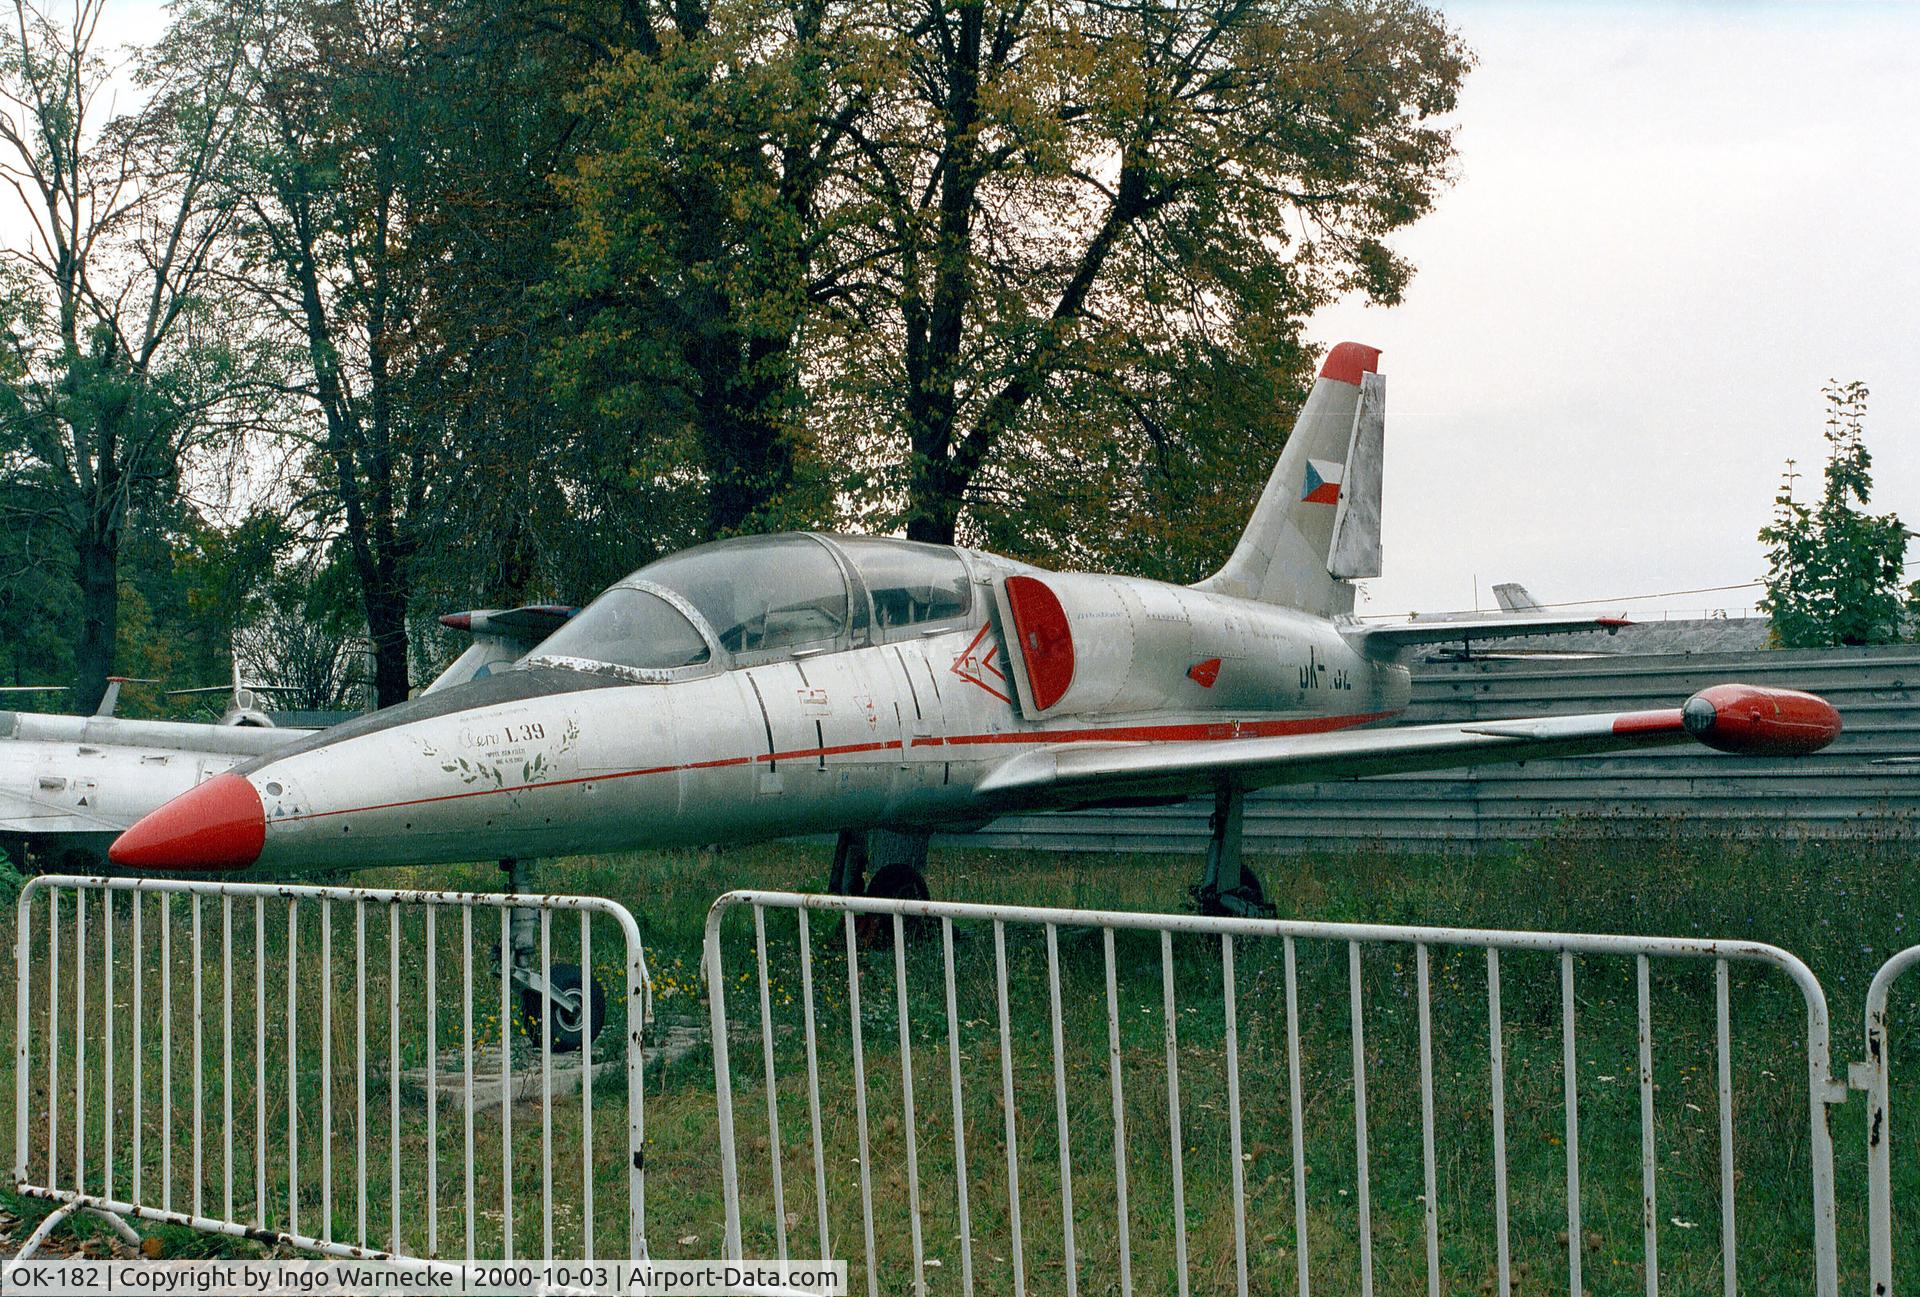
<point>1349,360</point>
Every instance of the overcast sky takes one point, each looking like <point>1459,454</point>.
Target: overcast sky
<point>1673,224</point>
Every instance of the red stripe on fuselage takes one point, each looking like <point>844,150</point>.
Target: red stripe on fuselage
<point>1221,731</point>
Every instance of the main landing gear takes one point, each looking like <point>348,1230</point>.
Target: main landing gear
<point>881,863</point>
<point>578,1002</point>
<point>1229,887</point>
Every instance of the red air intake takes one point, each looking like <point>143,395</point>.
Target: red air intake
<point>1046,643</point>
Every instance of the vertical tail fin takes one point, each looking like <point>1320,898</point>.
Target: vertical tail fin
<point>1514,597</point>
<point>1317,525</point>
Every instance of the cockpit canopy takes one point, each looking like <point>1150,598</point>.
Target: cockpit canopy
<point>762,598</point>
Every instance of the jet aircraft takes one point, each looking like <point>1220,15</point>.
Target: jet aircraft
<point>882,689</point>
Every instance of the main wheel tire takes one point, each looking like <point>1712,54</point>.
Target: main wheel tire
<point>899,883</point>
<point>567,1019</point>
<point>895,882</point>
<point>1246,901</point>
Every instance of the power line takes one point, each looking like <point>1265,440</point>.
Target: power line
<point>1614,600</point>
<point>1664,594</point>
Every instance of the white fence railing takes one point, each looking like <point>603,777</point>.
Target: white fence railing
<point>1143,1034</point>
<point>329,1068</point>
<point>1041,1100</point>
<point>1875,1076</point>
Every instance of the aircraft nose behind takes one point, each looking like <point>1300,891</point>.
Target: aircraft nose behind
<point>220,824</point>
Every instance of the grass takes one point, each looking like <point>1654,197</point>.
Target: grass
<point>1842,909</point>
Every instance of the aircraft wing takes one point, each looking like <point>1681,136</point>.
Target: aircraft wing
<point>1387,637</point>
<point>24,815</point>
<point>1733,718</point>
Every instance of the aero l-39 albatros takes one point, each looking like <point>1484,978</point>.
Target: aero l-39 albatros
<point>801,683</point>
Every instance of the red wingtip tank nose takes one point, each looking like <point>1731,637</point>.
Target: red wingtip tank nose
<point>1757,722</point>
<point>220,824</point>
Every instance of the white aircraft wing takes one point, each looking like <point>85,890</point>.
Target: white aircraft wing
<point>1733,718</point>
<point>20,814</point>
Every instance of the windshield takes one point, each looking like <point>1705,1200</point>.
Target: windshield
<point>628,628</point>
<point>760,593</point>
<point>910,582</point>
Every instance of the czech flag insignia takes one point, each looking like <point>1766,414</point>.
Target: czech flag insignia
<point>1322,483</point>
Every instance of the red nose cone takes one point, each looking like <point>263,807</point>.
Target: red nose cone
<point>218,825</point>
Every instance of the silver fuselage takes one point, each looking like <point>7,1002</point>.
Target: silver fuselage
<point>886,734</point>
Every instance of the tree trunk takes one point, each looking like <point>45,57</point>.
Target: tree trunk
<point>936,508</point>
<point>743,387</point>
<point>387,627</point>
<point>98,572</point>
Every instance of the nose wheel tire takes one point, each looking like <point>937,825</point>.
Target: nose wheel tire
<point>899,883</point>
<point>579,1009</point>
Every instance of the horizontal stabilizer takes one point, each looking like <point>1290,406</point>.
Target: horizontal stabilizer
<point>228,689</point>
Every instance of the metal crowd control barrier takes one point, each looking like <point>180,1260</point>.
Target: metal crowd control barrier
<point>1875,1077</point>
<point>1088,1212</point>
<point>296,1114</point>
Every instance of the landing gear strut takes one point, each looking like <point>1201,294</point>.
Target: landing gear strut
<point>578,1001</point>
<point>1229,886</point>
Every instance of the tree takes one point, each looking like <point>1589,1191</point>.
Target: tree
<point>117,367</point>
<point>1034,274</point>
<point>329,179</point>
<point>302,636</point>
<point>400,228</point>
<point>701,211</point>
<point>1834,570</point>
<point>1077,209</point>
<point>501,130</point>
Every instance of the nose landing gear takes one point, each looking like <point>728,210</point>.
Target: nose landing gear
<point>579,1011</point>
<point>577,1000</point>
<point>898,862</point>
